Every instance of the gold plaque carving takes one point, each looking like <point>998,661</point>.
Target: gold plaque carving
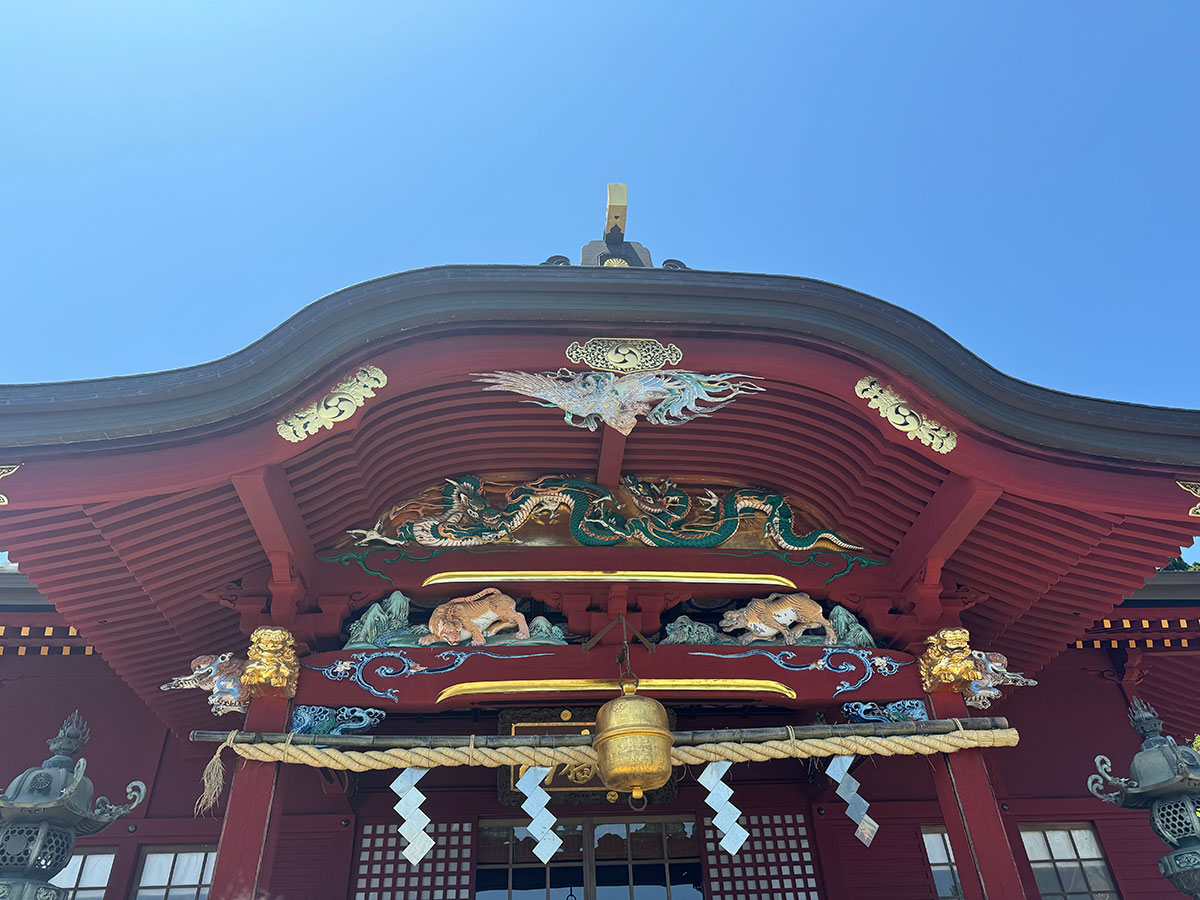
<point>5,471</point>
<point>903,417</point>
<point>624,354</point>
<point>1192,487</point>
<point>338,405</point>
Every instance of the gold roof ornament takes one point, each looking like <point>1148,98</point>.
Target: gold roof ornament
<point>614,216</point>
<point>1192,487</point>
<point>337,406</point>
<point>900,415</point>
<point>624,355</point>
<point>5,471</point>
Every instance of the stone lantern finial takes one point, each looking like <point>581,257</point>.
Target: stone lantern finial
<point>72,737</point>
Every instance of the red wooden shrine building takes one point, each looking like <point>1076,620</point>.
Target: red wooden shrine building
<point>759,495</point>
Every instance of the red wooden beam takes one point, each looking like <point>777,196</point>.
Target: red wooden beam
<point>612,454</point>
<point>271,507</point>
<point>273,512</point>
<point>943,525</point>
<point>239,868</point>
<point>986,865</point>
<point>516,669</point>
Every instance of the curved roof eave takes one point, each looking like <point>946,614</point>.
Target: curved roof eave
<point>269,373</point>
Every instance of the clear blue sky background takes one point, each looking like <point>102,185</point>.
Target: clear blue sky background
<point>178,178</point>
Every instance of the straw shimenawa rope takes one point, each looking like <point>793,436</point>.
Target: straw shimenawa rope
<point>432,757</point>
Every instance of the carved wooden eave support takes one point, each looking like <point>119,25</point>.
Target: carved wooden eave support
<point>279,525</point>
<point>924,604</point>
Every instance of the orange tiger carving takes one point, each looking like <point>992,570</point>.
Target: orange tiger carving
<point>475,617</point>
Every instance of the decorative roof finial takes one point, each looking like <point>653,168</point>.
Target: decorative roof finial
<point>614,250</point>
<point>614,225</point>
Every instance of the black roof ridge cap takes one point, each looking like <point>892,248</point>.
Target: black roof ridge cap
<point>959,362</point>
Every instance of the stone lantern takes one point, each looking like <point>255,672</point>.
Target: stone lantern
<point>1164,778</point>
<point>45,809</point>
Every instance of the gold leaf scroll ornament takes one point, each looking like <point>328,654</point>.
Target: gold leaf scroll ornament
<point>900,415</point>
<point>5,471</point>
<point>624,354</point>
<point>1191,487</point>
<point>336,406</point>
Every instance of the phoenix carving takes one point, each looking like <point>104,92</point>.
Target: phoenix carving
<point>661,397</point>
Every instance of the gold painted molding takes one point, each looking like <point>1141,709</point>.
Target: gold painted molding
<point>338,405</point>
<point>1192,487</point>
<point>580,685</point>
<point>900,415</point>
<point>5,471</point>
<point>624,355</point>
<point>503,575</point>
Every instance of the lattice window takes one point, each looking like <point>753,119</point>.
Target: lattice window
<point>776,861</point>
<point>1068,862</point>
<point>178,873</point>
<point>382,873</point>
<point>600,859</point>
<point>86,875</point>
<point>941,863</point>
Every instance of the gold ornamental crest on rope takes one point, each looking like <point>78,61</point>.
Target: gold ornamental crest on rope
<point>624,355</point>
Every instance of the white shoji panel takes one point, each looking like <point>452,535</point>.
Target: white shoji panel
<point>776,862</point>
<point>384,874</point>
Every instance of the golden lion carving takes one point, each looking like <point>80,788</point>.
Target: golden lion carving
<point>272,667</point>
<point>766,618</point>
<point>476,617</point>
<point>949,663</point>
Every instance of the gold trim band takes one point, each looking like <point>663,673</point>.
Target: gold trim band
<point>578,685</point>
<point>619,576</point>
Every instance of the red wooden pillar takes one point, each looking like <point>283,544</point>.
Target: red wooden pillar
<point>240,869</point>
<point>982,854</point>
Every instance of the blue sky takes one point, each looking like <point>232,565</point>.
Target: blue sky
<point>178,178</point>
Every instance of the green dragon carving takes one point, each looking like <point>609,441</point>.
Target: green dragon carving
<point>666,517</point>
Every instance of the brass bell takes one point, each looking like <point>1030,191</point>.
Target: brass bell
<point>633,743</point>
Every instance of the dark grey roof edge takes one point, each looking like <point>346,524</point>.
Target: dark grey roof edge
<point>17,593</point>
<point>1167,587</point>
<point>270,374</point>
